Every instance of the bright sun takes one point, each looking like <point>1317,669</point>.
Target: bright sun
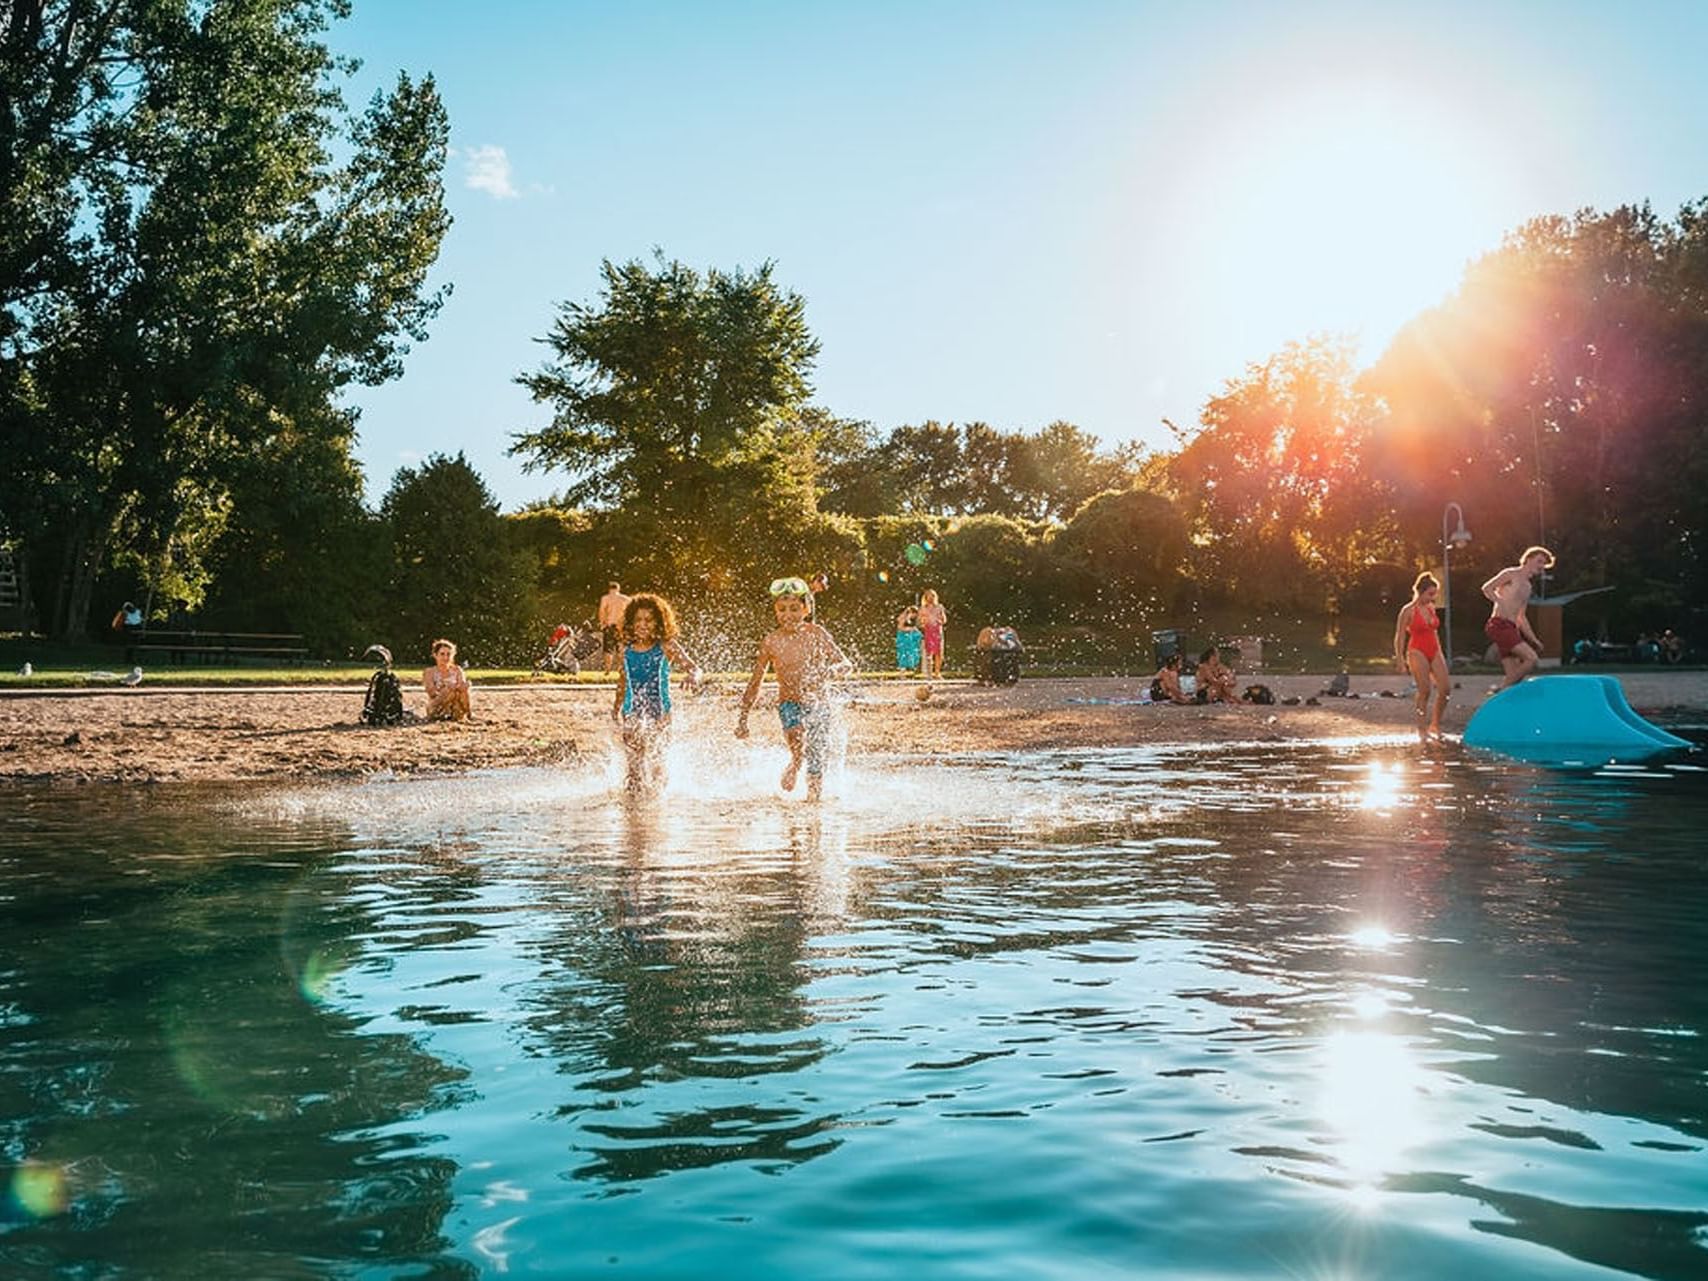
<point>1343,209</point>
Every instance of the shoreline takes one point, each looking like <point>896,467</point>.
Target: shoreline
<point>281,734</point>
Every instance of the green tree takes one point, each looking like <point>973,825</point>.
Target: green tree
<point>300,552</point>
<point>456,571</point>
<point>987,566</point>
<point>1055,470</point>
<point>198,236</point>
<point>849,463</point>
<point>670,383</point>
<point>1122,553</point>
<point>1558,396</point>
<point>1274,486</point>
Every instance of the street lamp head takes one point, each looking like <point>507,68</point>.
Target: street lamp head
<point>1459,535</point>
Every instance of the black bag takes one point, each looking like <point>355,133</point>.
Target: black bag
<point>384,703</point>
<point>1259,694</point>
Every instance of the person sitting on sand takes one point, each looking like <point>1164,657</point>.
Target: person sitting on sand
<point>1165,685</point>
<point>642,704</point>
<point>446,685</point>
<point>1215,679</point>
<point>805,659</point>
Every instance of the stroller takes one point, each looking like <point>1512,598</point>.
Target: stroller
<point>568,648</point>
<point>996,656</point>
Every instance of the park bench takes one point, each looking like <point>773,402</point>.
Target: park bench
<point>209,648</point>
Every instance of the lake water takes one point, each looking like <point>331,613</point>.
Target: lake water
<point>1325,1012</point>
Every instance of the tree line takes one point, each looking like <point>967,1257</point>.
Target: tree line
<point>202,247</point>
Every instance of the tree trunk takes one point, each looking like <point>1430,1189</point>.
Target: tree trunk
<point>84,549</point>
<point>68,554</point>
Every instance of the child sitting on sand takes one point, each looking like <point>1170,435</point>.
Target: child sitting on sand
<point>1215,679</point>
<point>642,705</point>
<point>805,659</point>
<point>1165,685</point>
<point>446,685</point>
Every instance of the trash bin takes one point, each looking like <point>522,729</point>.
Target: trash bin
<point>1167,643</point>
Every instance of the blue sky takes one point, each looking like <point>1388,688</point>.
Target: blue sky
<point>1008,212</point>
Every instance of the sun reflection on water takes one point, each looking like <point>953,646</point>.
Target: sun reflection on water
<point>1374,937</point>
<point>1371,1099</point>
<point>1381,789</point>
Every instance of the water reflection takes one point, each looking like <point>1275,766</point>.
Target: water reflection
<point>1101,1001</point>
<point>166,1078</point>
<point>665,1012</point>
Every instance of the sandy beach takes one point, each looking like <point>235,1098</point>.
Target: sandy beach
<point>283,734</point>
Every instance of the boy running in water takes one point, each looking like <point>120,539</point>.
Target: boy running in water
<point>1508,627</point>
<point>805,659</point>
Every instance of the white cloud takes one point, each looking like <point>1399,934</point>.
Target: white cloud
<point>489,171</point>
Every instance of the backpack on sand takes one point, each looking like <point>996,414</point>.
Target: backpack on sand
<point>384,703</point>
<point>1261,694</point>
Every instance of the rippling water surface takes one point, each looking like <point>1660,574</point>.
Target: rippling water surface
<point>1332,1012</point>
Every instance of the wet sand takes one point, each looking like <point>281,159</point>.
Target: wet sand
<point>280,735</point>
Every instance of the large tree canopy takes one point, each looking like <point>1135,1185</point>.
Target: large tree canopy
<point>972,470</point>
<point>1281,504</point>
<point>198,243</point>
<point>456,570</point>
<point>671,382</point>
<point>1558,395</point>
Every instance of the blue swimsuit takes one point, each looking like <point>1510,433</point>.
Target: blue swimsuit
<point>646,685</point>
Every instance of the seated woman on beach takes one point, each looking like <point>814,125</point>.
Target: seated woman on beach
<point>1215,678</point>
<point>1165,685</point>
<point>447,688</point>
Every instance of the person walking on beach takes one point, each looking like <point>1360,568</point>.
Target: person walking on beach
<point>932,618</point>
<point>1508,627</point>
<point>642,705</point>
<point>1417,648</point>
<point>806,660</point>
<point>611,607</point>
<point>446,684</point>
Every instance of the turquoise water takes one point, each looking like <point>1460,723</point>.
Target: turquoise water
<point>1332,1012</point>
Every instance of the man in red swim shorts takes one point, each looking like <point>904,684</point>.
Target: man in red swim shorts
<point>1509,592</point>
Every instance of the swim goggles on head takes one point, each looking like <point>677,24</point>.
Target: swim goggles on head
<point>790,587</point>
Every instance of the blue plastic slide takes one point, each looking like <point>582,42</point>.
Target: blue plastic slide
<point>1567,720</point>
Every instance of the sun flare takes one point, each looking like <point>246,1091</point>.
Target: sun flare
<point>1345,208</point>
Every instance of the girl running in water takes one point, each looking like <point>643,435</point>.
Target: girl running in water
<point>1418,648</point>
<point>642,705</point>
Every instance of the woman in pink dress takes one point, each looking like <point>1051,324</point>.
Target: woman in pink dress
<point>932,617</point>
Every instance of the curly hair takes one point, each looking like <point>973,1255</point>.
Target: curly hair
<point>661,611</point>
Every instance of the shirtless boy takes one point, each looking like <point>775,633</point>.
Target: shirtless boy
<point>1508,627</point>
<point>805,659</point>
<point>611,607</point>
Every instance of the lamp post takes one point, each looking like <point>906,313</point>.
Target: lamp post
<point>1458,537</point>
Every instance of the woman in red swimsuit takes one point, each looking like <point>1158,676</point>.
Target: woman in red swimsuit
<point>1418,649</point>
